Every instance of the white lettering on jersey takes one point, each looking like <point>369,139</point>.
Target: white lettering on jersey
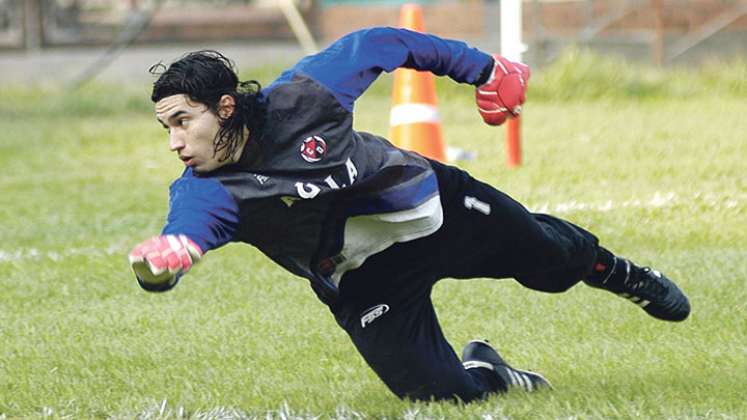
<point>473,203</point>
<point>369,315</point>
<point>307,190</point>
<point>261,178</point>
<point>352,170</point>
<point>331,182</point>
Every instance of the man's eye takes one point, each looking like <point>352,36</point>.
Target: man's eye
<point>182,122</point>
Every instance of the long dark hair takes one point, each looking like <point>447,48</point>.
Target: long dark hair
<point>205,76</point>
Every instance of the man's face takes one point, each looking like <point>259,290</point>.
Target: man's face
<point>192,131</point>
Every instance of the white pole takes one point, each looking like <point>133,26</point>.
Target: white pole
<point>511,45</point>
<point>298,26</point>
<point>512,48</point>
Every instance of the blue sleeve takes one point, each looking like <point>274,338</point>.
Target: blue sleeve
<point>352,63</point>
<point>202,209</point>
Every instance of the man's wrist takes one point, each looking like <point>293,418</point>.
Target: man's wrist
<point>486,73</point>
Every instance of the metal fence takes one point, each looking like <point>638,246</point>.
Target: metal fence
<point>34,24</point>
<point>661,31</point>
<point>664,31</point>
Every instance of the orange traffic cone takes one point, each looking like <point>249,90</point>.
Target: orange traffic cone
<point>414,120</point>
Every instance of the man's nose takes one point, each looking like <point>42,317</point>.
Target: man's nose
<point>176,143</point>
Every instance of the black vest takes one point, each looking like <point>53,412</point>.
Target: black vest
<point>313,168</point>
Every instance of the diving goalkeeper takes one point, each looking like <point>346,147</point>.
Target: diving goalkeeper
<point>370,226</point>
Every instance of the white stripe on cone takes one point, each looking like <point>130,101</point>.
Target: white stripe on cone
<point>413,113</point>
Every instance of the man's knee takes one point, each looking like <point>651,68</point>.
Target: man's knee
<point>564,254</point>
<point>558,268</point>
<point>412,377</point>
<point>550,282</point>
<point>436,390</point>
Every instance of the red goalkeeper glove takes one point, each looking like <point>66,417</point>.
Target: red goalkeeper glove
<point>160,261</point>
<point>503,94</point>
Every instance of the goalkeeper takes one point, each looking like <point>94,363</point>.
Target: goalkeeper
<point>370,226</point>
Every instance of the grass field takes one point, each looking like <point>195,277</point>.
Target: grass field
<point>654,162</point>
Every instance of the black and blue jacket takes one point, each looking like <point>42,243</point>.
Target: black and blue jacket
<point>314,195</point>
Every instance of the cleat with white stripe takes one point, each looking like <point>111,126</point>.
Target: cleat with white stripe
<point>647,288</point>
<point>480,354</point>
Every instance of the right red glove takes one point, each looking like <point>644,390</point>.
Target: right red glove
<point>503,94</point>
<point>161,260</point>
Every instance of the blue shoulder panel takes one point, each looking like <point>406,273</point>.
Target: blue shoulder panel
<point>405,198</point>
<point>202,209</point>
<point>352,63</point>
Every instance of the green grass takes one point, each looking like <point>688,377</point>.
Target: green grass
<point>658,172</point>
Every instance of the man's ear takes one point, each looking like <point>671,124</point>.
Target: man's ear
<point>226,106</point>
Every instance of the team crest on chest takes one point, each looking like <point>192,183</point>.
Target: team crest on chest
<point>313,149</point>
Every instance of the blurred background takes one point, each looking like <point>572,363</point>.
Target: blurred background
<point>69,36</point>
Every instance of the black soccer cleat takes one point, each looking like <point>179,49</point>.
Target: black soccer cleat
<point>647,288</point>
<point>480,354</point>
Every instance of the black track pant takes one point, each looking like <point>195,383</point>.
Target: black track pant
<point>485,234</point>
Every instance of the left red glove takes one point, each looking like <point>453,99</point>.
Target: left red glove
<point>162,259</point>
<point>502,96</point>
